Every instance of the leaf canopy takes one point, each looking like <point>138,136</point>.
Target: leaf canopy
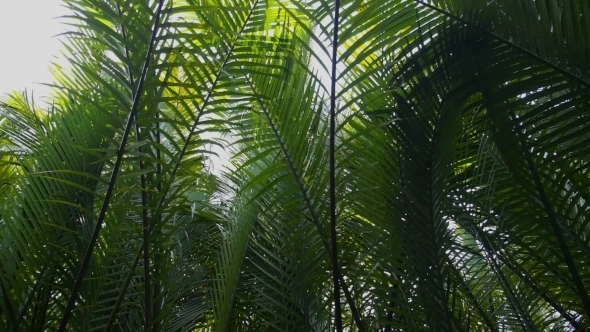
<point>182,179</point>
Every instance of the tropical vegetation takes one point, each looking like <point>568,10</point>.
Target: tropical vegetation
<point>303,165</point>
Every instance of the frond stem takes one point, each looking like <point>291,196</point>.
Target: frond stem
<point>157,256</point>
<point>354,311</point>
<point>144,210</point>
<point>332,166</point>
<point>165,189</point>
<point>109,192</point>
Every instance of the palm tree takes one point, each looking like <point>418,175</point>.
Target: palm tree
<point>385,166</point>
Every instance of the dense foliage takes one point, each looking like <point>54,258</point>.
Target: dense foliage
<point>187,172</point>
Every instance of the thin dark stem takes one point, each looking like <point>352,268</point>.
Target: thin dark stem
<point>354,311</point>
<point>146,241</point>
<point>144,211</point>
<point>111,320</point>
<point>41,314</point>
<point>164,190</point>
<point>334,239</point>
<point>157,256</point>
<point>111,186</point>
<point>200,113</point>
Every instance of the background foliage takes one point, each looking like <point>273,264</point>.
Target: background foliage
<point>180,181</point>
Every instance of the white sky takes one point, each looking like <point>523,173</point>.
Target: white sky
<point>27,44</point>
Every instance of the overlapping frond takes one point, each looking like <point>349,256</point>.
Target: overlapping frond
<point>460,153</point>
